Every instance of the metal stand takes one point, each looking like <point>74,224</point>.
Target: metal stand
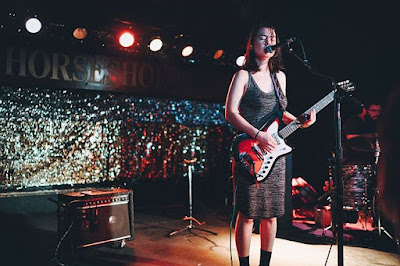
<point>337,198</point>
<point>190,217</point>
<point>376,205</point>
<point>379,225</point>
<point>382,229</point>
<point>338,181</point>
<point>336,193</point>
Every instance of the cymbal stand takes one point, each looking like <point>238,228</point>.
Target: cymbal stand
<point>380,227</point>
<point>378,212</point>
<point>190,217</point>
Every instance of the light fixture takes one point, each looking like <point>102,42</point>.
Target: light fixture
<point>156,44</point>
<point>240,60</point>
<point>126,39</point>
<point>80,33</point>
<point>218,54</point>
<point>187,51</point>
<point>33,25</point>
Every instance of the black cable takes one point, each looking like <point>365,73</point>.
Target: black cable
<point>61,240</point>
<point>329,252</point>
<point>307,64</point>
<point>305,61</point>
<point>66,232</point>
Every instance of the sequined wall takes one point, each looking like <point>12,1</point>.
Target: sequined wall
<point>51,137</point>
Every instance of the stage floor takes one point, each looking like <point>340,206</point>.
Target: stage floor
<point>302,244</point>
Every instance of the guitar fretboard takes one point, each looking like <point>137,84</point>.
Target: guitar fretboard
<point>294,125</point>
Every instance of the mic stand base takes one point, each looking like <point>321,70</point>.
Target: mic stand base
<point>190,227</point>
<point>190,217</point>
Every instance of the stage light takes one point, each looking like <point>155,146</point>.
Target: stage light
<point>156,44</point>
<point>126,39</point>
<point>240,60</point>
<point>188,50</point>
<point>80,33</point>
<point>33,25</point>
<point>218,54</point>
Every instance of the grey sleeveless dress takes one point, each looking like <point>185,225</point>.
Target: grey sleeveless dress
<point>267,201</point>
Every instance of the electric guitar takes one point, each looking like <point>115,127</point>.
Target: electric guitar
<point>259,163</point>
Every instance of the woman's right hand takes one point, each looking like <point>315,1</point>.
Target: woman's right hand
<point>267,142</point>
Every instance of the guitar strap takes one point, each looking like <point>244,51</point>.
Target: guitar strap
<point>276,112</point>
<point>278,91</point>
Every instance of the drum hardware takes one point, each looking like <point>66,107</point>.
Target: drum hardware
<point>376,155</point>
<point>365,208</point>
<point>377,211</point>
<point>361,193</point>
<point>358,187</point>
<point>357,194</point>
<point>332,189</point>
<point>363,142</point>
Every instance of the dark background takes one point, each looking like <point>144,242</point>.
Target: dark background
<point>353,40</point>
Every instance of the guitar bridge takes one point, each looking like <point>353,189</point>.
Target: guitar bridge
<point>246,161</point>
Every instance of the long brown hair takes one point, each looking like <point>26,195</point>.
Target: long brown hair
<point>274,64</point>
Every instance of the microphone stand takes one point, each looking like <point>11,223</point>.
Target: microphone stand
<point>338,177</point>
<point>337,199</point>
<point>189,227</point>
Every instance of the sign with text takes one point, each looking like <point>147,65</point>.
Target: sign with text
<point>21,66</point>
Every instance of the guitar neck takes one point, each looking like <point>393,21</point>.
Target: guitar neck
<point>294,125</point>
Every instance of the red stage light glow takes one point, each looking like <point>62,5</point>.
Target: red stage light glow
<point>126,39</point>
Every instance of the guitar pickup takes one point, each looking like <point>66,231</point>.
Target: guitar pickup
<point>260,156</point>
<point>276,137</point>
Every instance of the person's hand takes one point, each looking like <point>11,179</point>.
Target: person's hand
<point>308,120</point>
<point>267,142</point>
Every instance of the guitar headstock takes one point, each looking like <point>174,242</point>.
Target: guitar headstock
<point>346,85</point>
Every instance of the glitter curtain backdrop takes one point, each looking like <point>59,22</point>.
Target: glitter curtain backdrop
<point>58,138</point>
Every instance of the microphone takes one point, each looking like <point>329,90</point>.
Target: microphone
<point>271,48</point>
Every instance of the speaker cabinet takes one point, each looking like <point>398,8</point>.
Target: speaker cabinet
<point>96,217</point>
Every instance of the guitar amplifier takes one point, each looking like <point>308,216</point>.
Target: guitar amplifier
<point>96,217</point>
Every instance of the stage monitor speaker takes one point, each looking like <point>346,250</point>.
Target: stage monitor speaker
<point>96,217</point>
